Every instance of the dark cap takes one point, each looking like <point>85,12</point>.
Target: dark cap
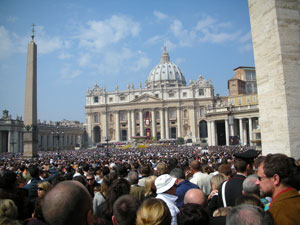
<point>248,155</point>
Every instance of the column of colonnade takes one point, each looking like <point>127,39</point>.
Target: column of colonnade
<point>179,127</point>
<point>117,126</point>
<point>153,132</point>
<point>129,124</point>
<point>141,123</point>
<point>167,123</point>
<point>162,124</point>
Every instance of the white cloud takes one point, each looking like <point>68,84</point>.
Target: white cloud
<point>102,33</point>
<point>64,55</point>
<point>246,47</point>
<point>206,22</point>
<point>12,19</point>
<point>246,37</point>
<point>84,59</point>
<point>169,45</point>
<point>155,39</point>
<point>218,37</point>
<point>67,73</point>
<point>160,15</point>
<point>6,45</point>
<point>141,63</point>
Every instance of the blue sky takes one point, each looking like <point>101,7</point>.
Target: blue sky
<point>109,43</point>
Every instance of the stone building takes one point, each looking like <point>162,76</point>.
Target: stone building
<point>168,108</point>
<point>63,135</point>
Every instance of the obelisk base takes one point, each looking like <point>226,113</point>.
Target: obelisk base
<point>30,141</point>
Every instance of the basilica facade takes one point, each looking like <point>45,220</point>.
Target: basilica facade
<point>168,108</point>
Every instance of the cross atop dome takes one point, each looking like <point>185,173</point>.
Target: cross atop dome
<point>165,56</point>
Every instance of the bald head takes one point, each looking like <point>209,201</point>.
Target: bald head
<point>196,165</point>
<point>67,203</point>
<point>196,196</point>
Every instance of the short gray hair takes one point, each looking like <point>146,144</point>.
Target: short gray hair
<point>250,186</point>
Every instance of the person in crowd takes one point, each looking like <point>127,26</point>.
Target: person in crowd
<point>182,185</point>
<point>226,170</point>
<point>124,210</point>
<point>274,174</point>
<point>43,187</point>
<point>32,186</point>
<point>166,191</point>
<point>223,211</point>
<point>91,183</point>
<point>98,198</point>
<point>153,211</point>
<point>248,214</point>
<point>216,182</point>
<point>68,203</point>
<point>118,188</point>
<point>144,173</point>
<point>8,209</point>
<point>249,199</point>
<point>192,214</point>
<point>161,168</point>
<point>231,189</point>
<point>150,189</point>
<point>202,180</point>
<point>196,196</point>
<point>136,191</point>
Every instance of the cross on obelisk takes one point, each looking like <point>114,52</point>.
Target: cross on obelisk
<point>30,137</point>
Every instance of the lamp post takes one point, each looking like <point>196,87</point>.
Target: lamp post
<point>56,134</point>
<point>107,140</point>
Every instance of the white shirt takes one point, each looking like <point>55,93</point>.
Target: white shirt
<point>170,201</point>
<point>203,181</point>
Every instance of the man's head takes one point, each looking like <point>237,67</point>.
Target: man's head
<point>68,203</point>
<point>34,171</point>
<point>162,168</point>
<point>274,173</point>
<point>191,213</point>
<point>133,177</point>
<point>90,178</point>
<point>177,173</point>
<point>124,210</point>
<point>196,196</point>
<point>243,161</point>
<point>195,166</point>
<point>165,184</point>
<point>250,186</point>
<point>248,214</point>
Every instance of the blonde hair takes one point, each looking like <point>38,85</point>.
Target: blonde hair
<point>223,211</point>
<point>153,211</point>
<point>45,185</point>
<point>8,209</point>
<point>161,168</point>
<point>217,180</point>
<point>149,184</point>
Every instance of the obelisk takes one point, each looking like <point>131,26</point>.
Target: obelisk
<point>30,135</point>
<point>275,27</point>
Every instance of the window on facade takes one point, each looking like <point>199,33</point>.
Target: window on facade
<point>250,75</point>
<point>122,98</point>
<point>248,100</point>
<point>185,114</point>
<point>184,94</point>
<point>239,101</point>
<point>203,129</point>
<point>156,95</point>
<point>157,115</point>
<point>171,95</point>
<point>136,96</point>
<point>96,118</point>
<point>110,99</point>
<point>96,99</point>
<point>249,88</point>
<point>137,116</point>
<point>148,114</point>
<point>201,92</point>
<point>172,114</point>
<point>254,88</point>
<point>254,98</point>
<point>111,118</point>
<point>201,111</point>
<point>123,116</point>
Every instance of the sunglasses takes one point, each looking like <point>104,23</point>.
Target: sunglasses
<point>40,189</point>
<point>90,179</point>
<point>262,178</point>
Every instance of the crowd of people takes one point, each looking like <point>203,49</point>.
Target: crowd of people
<point>164,185</point>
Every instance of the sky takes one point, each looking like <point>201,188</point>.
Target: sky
<point>86,42</point>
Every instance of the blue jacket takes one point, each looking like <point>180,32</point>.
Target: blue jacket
<point>32,188</point>
<point>182,188</point>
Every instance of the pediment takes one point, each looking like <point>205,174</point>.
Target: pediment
<point>146,98</point>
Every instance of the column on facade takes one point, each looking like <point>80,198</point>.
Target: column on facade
<point>153,123</point>
<point>227,132</point>
<point>193,122</point>
<point>241,131</point>
<point>141,123</point>
<point>117,125</point>
<point>209,142</point>
<point>162,124</point>
<point>179,126</point>
<point>232,128</point>
<point>250,131</point>
<point>104,120</point>
<point>133,123</point>
<point>213,133</point>
<point>129,125</point>
<point>245,133</point>
<point>9,141</point>
<point>167,123</point>
<point>1,144</point>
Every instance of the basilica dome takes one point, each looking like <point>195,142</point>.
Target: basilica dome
<point>166,73</point>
